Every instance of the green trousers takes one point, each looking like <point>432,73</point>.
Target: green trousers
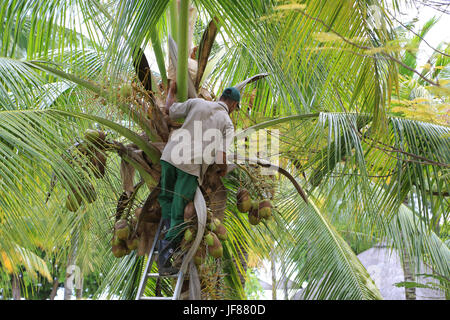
<point>177,190</point>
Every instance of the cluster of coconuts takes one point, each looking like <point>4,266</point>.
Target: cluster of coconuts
<point>257,210</point>
<point>96,162</point>
<point>215,233</point>
<point>124,239</point>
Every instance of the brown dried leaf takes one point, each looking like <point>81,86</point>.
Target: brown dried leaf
<point>127,175</point>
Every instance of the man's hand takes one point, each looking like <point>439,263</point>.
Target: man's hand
<point>221,161</point>
<point>173,87</point>
<point>223,169</point>
<point>171,95</point>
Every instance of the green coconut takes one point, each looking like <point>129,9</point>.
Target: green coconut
<point>243,201</point>
<point>122,230</point>
<point>96,137</point>
<point>200,255</point>
<point>209,238</point>
<point>93,136</point>
<point>216,250</point>
<point>189,234</point>
<point>265,208</point>
<point>211,226</point>
<point>116,241</point>
<point>253,216</point>
<point>133,243</point>
<point>221,232</point>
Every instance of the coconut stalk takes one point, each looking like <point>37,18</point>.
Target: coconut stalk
<point>183,51</point>
<point>159,56</point>
<point>173,13</point>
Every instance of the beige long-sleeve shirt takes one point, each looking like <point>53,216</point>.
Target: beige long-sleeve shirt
<point>206,130</point>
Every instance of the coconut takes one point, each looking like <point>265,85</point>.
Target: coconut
<point>115,241</point>
<point>253,216</point>
<point>122,230</point>
<point>71,203</point>
<point>216,222</point>
<point>189,234</point>
<point>216,250</point>
<point>221,232</point>
<point>189,212</point>
<point>243,200</point>
<point>96,137</point>
<point>211,226</point>
<point>119,250</point>
<point>210,238</point>
<point>265,208</point>
<point>133,243</point>
<point>200,255</point>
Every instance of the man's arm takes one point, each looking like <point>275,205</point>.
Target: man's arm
<point>176,110</point>
<point>221,155</point>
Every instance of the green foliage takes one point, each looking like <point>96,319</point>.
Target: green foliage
<point>253,288</point>
<point>332,74</point>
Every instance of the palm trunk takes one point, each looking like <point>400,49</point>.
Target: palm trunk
<point>79,288</point>
<point>54,289</point>
<point>286,280</point>
<point>15,286</point>
<point>68,281</point>
<point>274,276</point>
<point>410,293</point>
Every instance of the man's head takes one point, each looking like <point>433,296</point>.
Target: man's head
<point>231,97</point>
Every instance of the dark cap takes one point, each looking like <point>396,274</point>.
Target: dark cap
<point>233,94</point>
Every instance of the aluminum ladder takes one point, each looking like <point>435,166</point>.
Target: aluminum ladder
<point>147,274</point>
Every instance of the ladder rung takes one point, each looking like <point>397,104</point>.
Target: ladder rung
<point>156,298</point>
<point>156,275</point>
<point>152,256</point>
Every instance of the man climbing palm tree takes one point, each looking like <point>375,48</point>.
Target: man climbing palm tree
<point>201,141</point>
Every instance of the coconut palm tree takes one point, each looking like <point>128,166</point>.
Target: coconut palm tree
<point>325,70</point>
